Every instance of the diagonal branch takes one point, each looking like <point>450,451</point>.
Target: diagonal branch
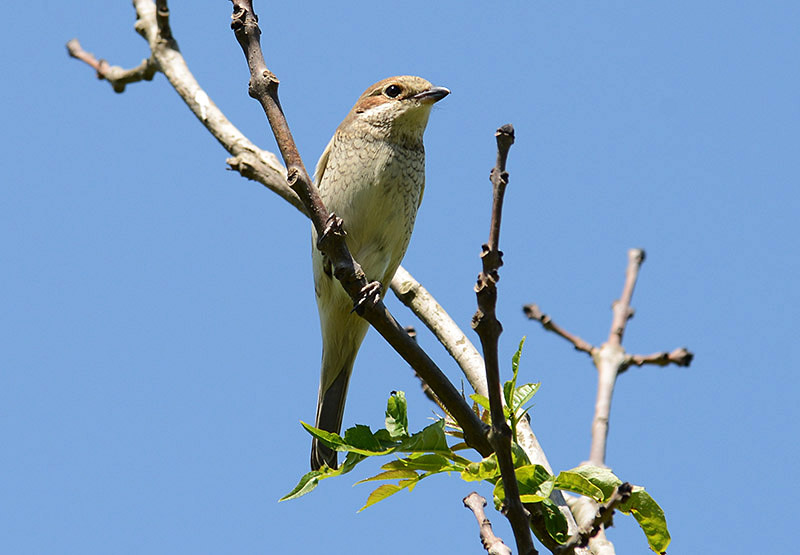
<point>247,159</point>
<point>264,87</point>
<point>412,294</point>
<point>533,312</point>
<point>491,543</point>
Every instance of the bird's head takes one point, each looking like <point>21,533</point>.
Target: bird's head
<point>397,107</point>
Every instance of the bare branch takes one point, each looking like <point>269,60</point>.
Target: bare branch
<point>264,88</point>
<point>249,160</point>
<point>491,543</point>
<point>263,167</point>
<point>611,359</point>
<point>679,356</point>
<point>117,76</point>
<point>430,312</point>
<point>487,326</point>
<point>622,308</point>
<point>533,312</point>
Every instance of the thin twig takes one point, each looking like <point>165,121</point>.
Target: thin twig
<point>622,308</point>
<point>491,543</point>
<point>264,88</point>
<point>610,360</point>
<point>162,20</point>
<point>436,319</point>
<point>487,326</point>
<point>680,357</point>
<point>533,312</point>
<point>247,159</point>
<point>118,77</point>
<point>602,518</point>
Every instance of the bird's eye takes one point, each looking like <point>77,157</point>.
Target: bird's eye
<point>392,91</point>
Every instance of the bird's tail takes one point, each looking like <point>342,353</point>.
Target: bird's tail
<point>342,334</point>
<point>330,410</point>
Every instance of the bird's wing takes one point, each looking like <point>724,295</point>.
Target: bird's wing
<point>323,163</point>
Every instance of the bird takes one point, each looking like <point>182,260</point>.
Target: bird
<point>372,175</point>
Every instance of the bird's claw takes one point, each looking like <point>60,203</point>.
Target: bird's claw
<point>333,226</point>
<point>369,294</point>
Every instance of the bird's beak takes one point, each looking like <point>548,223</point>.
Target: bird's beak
<point>434,94</point>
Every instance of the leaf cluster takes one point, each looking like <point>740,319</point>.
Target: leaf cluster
<point>427,453</point>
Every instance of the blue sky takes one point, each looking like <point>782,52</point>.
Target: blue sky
<point>158,332</point>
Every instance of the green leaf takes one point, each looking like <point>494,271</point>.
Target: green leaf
<point>521,396</point>
<point>350,461</point>
<point>508,393</point>
<point>518,456</point>
<point>514,373</point>
<point>431,438</point>
<point>397,415</point>
<point>650,518</point>
<point>358,439</point>
<point>599,476</point>
<point>398,474</point>
<point>306,484</point>
<point>515,359</point>
<point>431,462</point>
<point>481,400</point>
<point>534,482</point>
<point>484,470</point>
<point>643,508</point>
<point>384,491</point>
<point>310,480</point>
<point>328,438</point>
<point>458,459</point>
<point>576,483</point>
<point>554,521</point>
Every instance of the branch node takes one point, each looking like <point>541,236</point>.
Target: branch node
<point>491,543</point>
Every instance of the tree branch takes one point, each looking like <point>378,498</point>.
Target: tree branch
<point>610,359</point>
<point>680,357</point>
<point>491,543</point>
<point>263,166</point>
<point>428,310</point>
<point>602,518</point>
<point>533,312</point>
<point>247,159</point>
<point>488,328</point>
<point>117,76</point>
<point>264,87</point>
<point>622,307</point>
<point>412,294</point>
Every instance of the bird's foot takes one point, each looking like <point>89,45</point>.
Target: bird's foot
<point>333,227</point>
<point>369,294</point>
